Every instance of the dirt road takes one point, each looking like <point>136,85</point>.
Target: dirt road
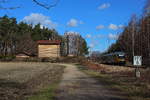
<point>76,85</point>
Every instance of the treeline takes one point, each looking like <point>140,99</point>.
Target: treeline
<point>135,38</point>
<point>22,38</point>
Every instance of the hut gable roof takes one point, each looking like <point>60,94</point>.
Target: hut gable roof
<point>48,42</point>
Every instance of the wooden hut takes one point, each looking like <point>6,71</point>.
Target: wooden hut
<point>48,48</point>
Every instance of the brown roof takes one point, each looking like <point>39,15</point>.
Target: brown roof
<point>47,42</point>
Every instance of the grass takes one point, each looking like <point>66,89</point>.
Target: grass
<point>46,93</point>
<point>20,80</point>
<point>105,80</point>
<point>133,88</point>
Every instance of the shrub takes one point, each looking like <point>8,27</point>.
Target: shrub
<point>7,58</point>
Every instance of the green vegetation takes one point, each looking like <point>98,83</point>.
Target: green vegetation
<point>7,58</point>
<point>84,48</point>
<point>45,94</point>
<point>22,38</point>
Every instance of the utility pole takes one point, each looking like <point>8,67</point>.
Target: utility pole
<point>137,71</point>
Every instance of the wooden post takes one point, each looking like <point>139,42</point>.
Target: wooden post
<point>137,73</point>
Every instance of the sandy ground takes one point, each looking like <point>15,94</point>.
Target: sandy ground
<point>76,85</point>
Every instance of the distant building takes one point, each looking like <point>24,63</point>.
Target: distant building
<point>72,44</point>
<point>48,48</point>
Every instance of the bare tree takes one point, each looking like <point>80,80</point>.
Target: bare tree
<point>147,8</point>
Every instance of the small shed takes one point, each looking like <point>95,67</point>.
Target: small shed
<point>48,48</point>
<point>23,55</point>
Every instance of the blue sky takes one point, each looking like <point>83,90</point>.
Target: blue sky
<point>98,21</point>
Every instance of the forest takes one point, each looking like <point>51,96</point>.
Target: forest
<point>135,38</point>
<point>22,38</point>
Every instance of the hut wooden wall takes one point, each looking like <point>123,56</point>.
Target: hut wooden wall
<point>48,50</point>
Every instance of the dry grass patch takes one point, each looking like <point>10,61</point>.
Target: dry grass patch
<point>121,79</point>
<point>18,81</point>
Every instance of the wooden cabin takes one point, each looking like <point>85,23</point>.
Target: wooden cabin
<point>48,48</point>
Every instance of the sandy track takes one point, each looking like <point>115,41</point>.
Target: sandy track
<point>76,85</point>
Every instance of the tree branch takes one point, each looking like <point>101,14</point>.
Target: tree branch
<point>45,5</point>
<point>9,8</point>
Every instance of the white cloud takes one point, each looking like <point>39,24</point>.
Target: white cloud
<point>113,27</point>
<point>88,36</point>
<point>81,22</point>
<point>99,27</point>
<point>121,26</point>
<point>104,6</point>
<point>113,36</point>
<point>91,45</point>
<point>36,18</point>
<point>74,23</point>
<point>100,36</point>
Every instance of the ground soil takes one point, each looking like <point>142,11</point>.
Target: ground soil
<point>76,85</point>
<point>18,81</point>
